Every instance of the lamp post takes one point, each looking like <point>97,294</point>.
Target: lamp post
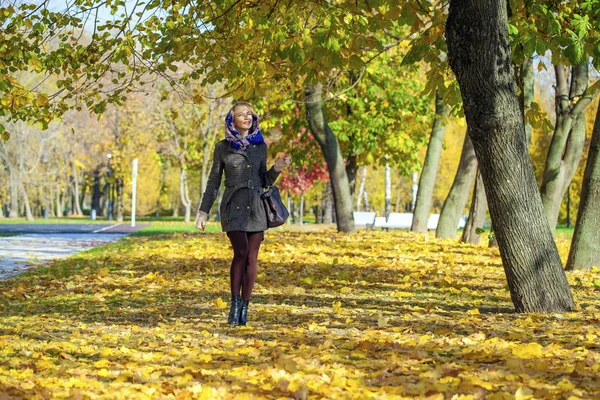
<point>110,205</point>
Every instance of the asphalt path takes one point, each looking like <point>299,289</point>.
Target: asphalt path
<point>70,228</point>
<point>38,244</point>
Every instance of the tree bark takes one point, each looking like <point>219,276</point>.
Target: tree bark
<point>351,171</point>
<point>59,203</point>
<point>476,213</point>
<point>76,197</point>
<point>119,200</point>
<point>430,167</point>
<point>527,92</point>
<point>459,192</point>
<point>479,55</point>
<point>28,213</point>
<point>96,194</point>
<point>388,190</point>
<point>361,187</point>
<point>333,156</point>
<point>14,195</point>
<point>568,139</point>
<point>327,207</point>
<point>184,194</point>
<point>585,246</point>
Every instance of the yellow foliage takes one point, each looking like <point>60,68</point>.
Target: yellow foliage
<point>146,318</point>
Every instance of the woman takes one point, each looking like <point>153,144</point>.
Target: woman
<point>243,157</point>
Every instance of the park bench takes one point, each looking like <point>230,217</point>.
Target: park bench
<point>364,219</point>
<point>433,220</point>
<point>398,221</point>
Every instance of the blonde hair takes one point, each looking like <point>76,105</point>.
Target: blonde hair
<point>242,104</point>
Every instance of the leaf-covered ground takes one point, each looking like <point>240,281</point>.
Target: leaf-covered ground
<point>370,315</point>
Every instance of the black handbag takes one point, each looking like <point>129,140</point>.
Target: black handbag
<point>276,211</point>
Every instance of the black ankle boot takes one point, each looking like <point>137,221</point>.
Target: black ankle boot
<point>234,311</point>
<point>244,312</point>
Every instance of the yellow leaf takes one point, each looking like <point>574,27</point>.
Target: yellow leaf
<point>403,294</point>
<point>523,393</point>
<point>102,272</point>
<point>345,290</point>
<point>42,99</point>
<point>382,321</point>
<point>474,311</point>
<point>219,303</point>
<point>337,307</point>
<point>528,351</point>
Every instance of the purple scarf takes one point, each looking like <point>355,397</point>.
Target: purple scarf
<point>234,137</point>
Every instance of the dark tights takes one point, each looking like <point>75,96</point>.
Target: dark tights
<point>243,266</point>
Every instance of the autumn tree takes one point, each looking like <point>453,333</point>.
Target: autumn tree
<point>479,54</point>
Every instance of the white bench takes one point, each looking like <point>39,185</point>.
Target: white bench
<point>433,220</point>
<point>379,221</point>
<point>364,219</point>
<point>398,221</point>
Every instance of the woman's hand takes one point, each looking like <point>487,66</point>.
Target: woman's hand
<point>201,218</point>
<point>282,162</point>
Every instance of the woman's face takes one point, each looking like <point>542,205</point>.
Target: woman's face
<point>242,118</point>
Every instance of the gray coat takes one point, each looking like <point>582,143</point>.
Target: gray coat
<point>245,177</point>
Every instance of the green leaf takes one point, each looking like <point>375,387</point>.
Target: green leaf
<point>479,231</point>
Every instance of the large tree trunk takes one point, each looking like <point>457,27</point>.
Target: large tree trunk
<point>479,55</point>
<point>351,171</point>
<point>430,167</point>
<point>327,207</point>
<point>476,213</point>
<point>568,139</point>
<point>333,156</point>
<point>459,192</point>
<point>184,193</point>
<point>585,246</point>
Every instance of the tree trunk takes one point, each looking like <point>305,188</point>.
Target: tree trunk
<point>301,211</point>
<point>14,195</point>
<point>430,167</point>
<point>327,207</point>
<point>28,213</point>
<point>361,188</point>
<point>59,203</point>
<point>479,55</point>
<point>184,194</point>
<point>527,92</point>
<point>76,197</point>
<point>476,213</point>
<point>459,192</point>
<point>351,171</point>
<point>388,190</point>
<point>585,246</point>
<point>96,194</point>
<point>333,156</point>
<point>568,139</point>
<point>119,200</point>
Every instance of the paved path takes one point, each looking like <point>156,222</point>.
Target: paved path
<point>70,228</point>
<point>40,243</point>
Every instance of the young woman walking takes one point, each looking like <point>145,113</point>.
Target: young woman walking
<point>242,155</point>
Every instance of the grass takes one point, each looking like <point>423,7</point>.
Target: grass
<point>8,234</point>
